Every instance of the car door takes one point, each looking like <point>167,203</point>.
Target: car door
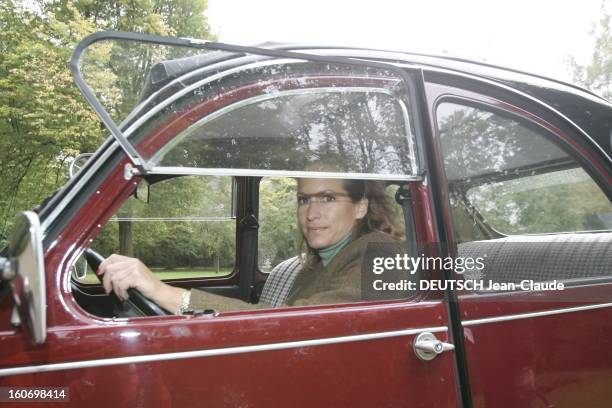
<point>525,193</point>
<point>347,354</point>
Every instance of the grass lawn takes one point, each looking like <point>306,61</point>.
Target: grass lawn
<point>164,274</point>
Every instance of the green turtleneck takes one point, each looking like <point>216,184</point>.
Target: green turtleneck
<point>327,254</point>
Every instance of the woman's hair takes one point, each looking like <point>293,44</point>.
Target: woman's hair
<point>379,217</point>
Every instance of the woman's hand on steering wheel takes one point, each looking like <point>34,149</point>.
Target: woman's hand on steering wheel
<point>120,273</point>
<point>137,302</point>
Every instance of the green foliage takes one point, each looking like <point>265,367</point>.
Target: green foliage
<point>44,121</point>
<point>131,62</point>
<point>186,224</point>
<point>535,205</point>
<point>278,231</point>
<point>597,75</point>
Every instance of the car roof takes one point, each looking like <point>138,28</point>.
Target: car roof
<point>587,110</point>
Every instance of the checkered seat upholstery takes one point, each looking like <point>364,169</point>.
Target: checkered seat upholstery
<point>279,282</point>
<point>541,258</point>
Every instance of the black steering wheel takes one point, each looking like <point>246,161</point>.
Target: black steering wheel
<point>137,304</point>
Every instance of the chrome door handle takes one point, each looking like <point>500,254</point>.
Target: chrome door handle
<point>427,347</point>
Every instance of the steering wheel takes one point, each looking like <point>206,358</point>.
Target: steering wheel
<point>137,304</point>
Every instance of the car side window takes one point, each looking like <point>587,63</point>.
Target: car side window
<point>185,229</point>
<point>506,179</point>
<point>519,198</point>
<point>339,146</point>
<point>363,132</point>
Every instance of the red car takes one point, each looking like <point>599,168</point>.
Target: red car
<point>508,169</point>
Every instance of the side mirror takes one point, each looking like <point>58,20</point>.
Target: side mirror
<point>25,268</point>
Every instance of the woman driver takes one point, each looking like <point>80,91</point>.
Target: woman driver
<point>337,219</point>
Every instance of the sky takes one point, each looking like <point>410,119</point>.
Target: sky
<point>535,36</point>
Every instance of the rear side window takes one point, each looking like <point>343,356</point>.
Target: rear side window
<point>520,203</point>
<point>506,178</point>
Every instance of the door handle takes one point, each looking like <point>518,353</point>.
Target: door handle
<point>426,346</point>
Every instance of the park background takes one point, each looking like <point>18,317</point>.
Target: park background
<point>45,123</point>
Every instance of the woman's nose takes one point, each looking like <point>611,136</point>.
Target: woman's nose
<point>313,211</point>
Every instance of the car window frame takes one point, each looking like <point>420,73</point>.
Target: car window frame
<point>480,99</point>
<point>246,279</point>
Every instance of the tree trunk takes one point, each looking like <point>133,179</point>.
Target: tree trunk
<point>217,264</point>
<point>125,238</point>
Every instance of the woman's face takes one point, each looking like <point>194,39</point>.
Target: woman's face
<point>326,213</point>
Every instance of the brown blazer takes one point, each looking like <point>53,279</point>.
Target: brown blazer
<point>338,282</point>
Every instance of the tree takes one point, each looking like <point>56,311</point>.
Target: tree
<point>597,75</point>
<point>44,121</point>
<point>278,232</point>
<point>131,62</point>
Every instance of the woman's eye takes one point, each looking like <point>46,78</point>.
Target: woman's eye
<point>302,200</point>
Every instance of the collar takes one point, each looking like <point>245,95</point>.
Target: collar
<point>327,254</point>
